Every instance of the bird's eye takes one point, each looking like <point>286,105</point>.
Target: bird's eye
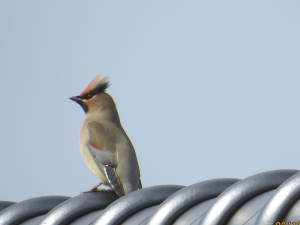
<point>89,96</point>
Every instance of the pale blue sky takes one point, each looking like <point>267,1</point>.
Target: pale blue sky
<point>204,89</point>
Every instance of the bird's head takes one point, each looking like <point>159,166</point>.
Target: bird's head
<point>93,97</point>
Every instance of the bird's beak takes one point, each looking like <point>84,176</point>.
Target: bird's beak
<point>76,99</point>
<point>79,100</point>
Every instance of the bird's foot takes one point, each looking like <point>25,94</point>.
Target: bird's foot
<point>93,189</point>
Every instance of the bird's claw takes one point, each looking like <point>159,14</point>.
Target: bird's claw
<point>93,189</point>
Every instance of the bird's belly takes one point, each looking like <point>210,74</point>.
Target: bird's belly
<point>92,165</point>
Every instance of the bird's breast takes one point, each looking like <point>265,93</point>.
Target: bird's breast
<point>84,139</point>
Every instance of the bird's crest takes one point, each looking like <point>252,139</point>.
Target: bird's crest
<point>97,85</point>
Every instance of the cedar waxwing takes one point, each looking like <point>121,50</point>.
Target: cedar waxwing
<point>104,145</point>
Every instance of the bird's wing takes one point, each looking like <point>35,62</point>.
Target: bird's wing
<point>140,184</point>
<point>114,180</point>
<point>102,147</point>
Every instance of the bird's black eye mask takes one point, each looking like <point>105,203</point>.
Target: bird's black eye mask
<point>100,88</point>
<point>87,96</point>
<point>79,99</point>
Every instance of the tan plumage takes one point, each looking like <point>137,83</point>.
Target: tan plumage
<point>104,145</point>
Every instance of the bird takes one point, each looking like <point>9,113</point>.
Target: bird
<point>104,144</point>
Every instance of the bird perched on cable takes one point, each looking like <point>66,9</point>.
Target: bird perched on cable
<point>104,145</point>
